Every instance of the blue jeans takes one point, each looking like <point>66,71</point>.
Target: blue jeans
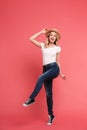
<point>50,72</point>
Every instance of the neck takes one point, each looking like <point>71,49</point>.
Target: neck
<point>51,43</point>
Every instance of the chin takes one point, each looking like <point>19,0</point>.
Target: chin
<point>52,41</point>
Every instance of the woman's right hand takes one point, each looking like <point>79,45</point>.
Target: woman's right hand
<point>44,30</point>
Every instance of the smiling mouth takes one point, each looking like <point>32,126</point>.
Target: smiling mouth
<point>52,39</point>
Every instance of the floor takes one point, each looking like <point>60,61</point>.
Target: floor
<point>60,123</point>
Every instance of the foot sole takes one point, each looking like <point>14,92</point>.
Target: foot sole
<point>25,105</point>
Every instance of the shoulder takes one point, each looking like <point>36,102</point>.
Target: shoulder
<point>42,45</point>
<point>58,48</point>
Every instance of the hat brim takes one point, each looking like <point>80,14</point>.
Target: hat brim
<point>53,30</point>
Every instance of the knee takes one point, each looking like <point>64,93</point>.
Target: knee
<point>40,78</point>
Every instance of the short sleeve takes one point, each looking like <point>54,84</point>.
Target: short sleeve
<point>42,45</point>
<point>58,49</point>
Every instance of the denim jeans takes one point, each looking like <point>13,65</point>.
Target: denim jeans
<point>50,72</point>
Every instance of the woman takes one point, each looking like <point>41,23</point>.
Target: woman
<point>51,67</point>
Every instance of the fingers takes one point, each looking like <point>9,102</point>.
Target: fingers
<point>64,77</point>
<point>44,30</point>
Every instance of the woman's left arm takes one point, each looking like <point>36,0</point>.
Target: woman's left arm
<point>58,62</point>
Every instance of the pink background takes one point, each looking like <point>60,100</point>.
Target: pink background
<point>21,63</point>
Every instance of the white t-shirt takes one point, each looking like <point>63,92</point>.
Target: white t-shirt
<point>49,54</point>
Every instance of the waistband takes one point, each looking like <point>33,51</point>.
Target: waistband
<point>49,65</point>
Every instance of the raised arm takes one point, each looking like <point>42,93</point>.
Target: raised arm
<point>33,38</point>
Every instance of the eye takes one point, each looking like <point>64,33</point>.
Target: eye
<point>51,34</point>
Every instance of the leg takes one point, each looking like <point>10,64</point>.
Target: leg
<point>51,73</point>
<point>49,95</point>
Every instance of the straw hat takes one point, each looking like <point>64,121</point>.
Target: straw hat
<point>53,30</point>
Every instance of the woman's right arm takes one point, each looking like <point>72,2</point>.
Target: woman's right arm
<point>33,38</point>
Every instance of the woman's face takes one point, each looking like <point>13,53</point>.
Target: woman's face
<point>52,37</point>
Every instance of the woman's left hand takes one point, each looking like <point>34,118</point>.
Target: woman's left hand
<point>63,76</point>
